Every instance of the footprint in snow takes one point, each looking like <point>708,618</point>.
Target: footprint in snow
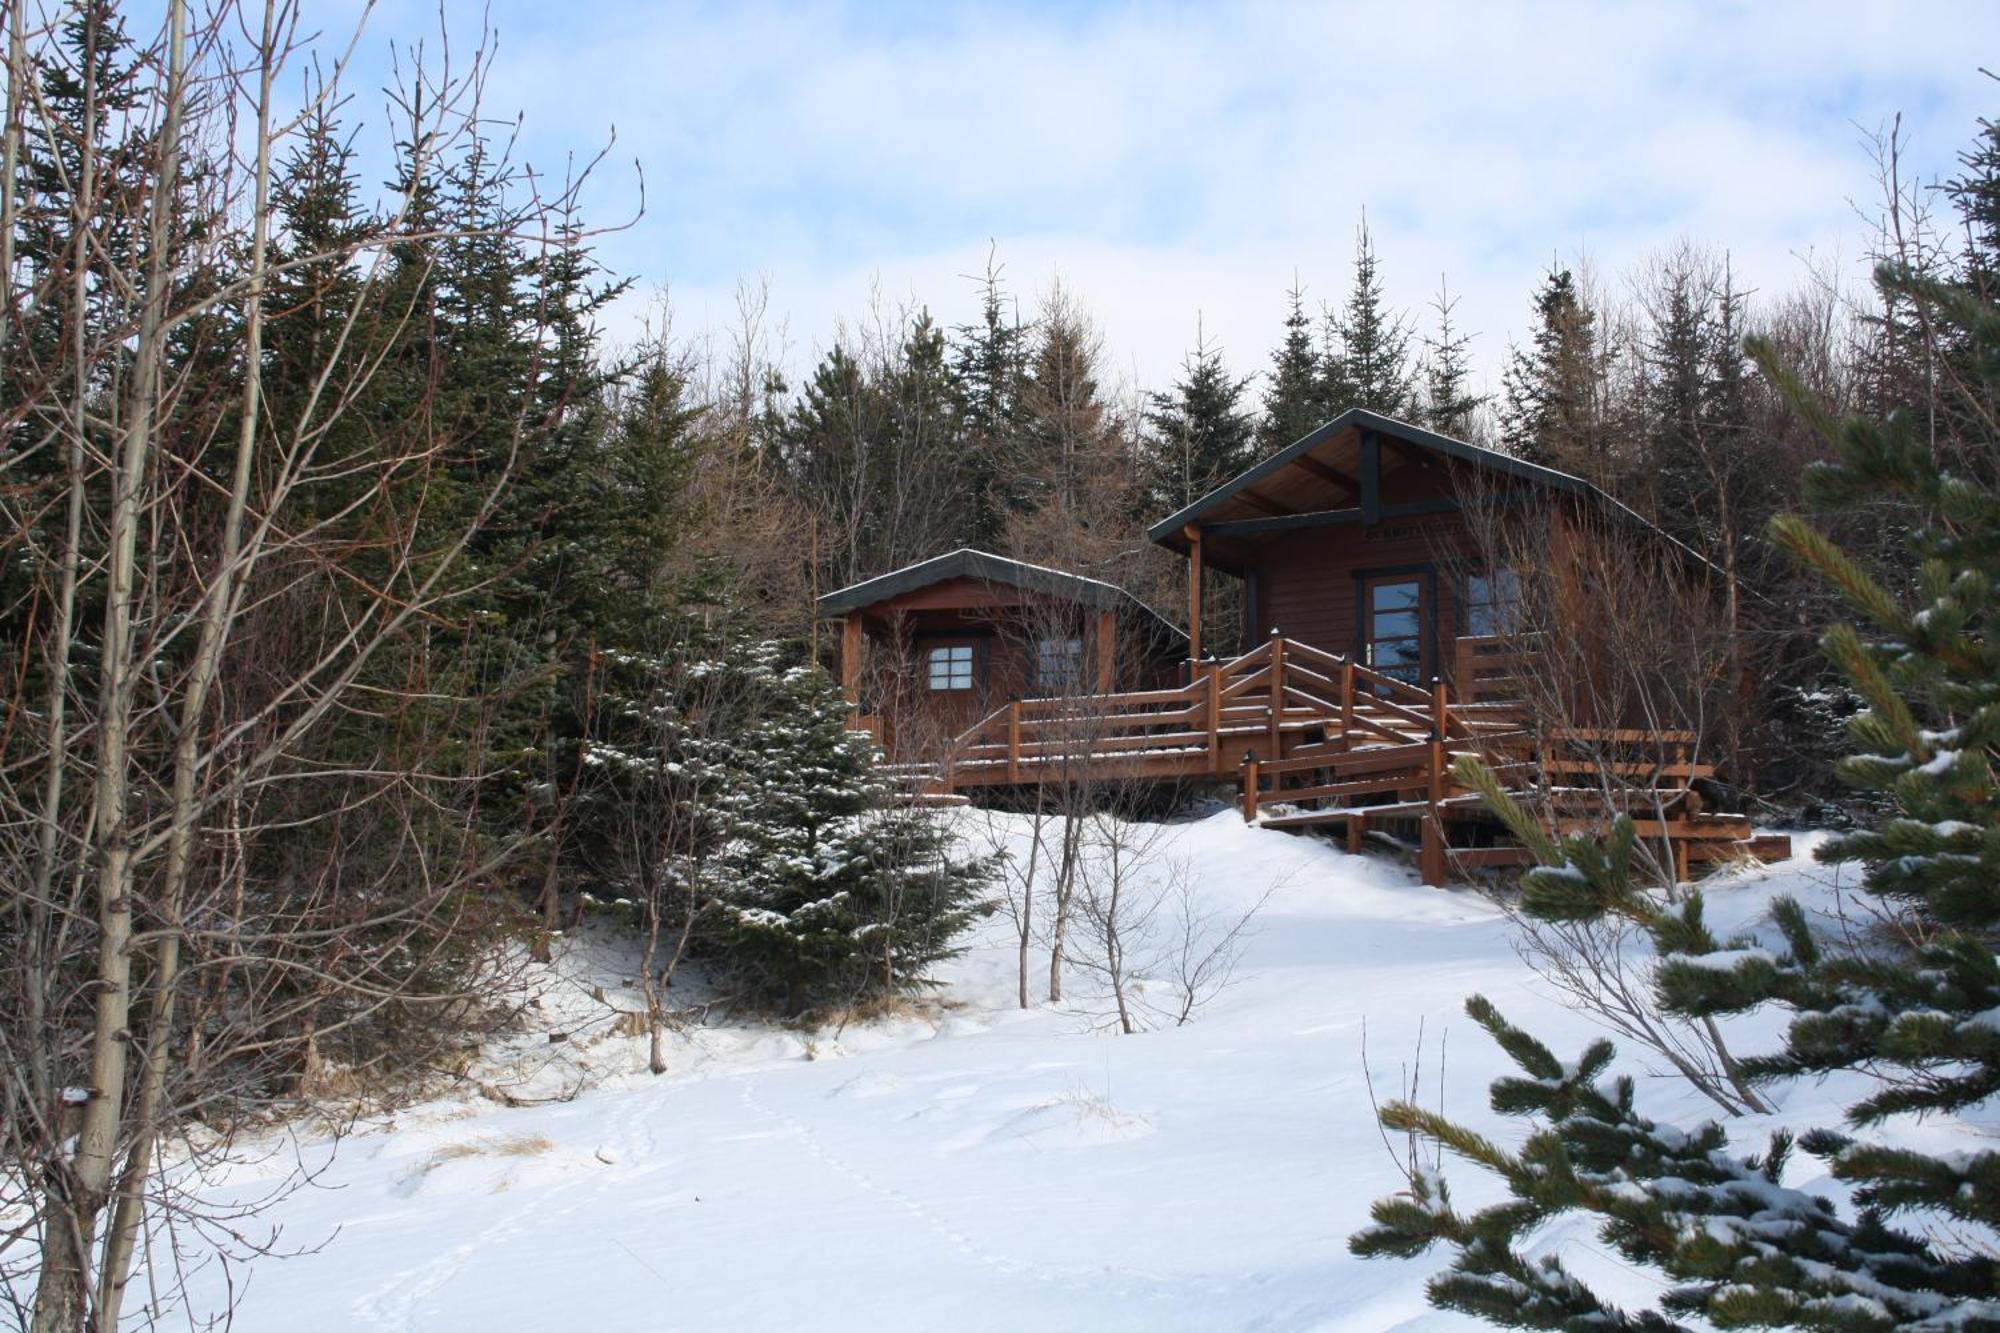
<point>869,1085</point>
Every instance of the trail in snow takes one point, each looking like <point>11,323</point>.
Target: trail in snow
<point>982,1168</point>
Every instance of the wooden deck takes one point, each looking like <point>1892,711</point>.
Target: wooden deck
<point>1314,739</point>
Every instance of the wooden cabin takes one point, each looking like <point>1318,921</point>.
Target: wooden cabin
<point>1361,539</point>
<point>928,650</point>
<point>1379,650</point>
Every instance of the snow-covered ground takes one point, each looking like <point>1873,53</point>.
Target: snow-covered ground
<point>979,1167</point>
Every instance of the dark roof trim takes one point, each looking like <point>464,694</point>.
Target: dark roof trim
<point>1369,423</point>
<point>968,563</point>
<point>1364,419</point>
<point>1326,518</point>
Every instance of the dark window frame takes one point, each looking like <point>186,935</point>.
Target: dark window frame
<point>1429,613</point>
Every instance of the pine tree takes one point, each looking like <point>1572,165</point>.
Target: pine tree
<point>1200,434</point>
<point>1294,397</point>
<point>1450,407</point>
<point>1367,358</point>
<point>1915,1008</point>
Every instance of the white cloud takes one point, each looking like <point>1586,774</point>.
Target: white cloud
<point>1170,160</point>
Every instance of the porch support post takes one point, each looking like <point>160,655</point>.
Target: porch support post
<point>850,657</point>
<point>1193,533</point>
<point>1107,649</point>
<point>1277,739</point>
<point>1432,859</point>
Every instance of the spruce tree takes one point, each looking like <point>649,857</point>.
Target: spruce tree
<point>1975,194</point>
<point>1367,359</point>
<point>932,501</point>
<point>90,89</point>
<point>1294,397</point>
<point>1200,434</point>
<point>314,288</point>
<point>89,85</point>
<point>835,890</point>
<point>1915,1006</point>
<point>1450,407</point>
<point>1550,401</point>
<point>989,361</point>
<point>825,442</point>
<point>1078,479</point>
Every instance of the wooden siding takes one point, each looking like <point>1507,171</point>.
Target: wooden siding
<point>1001,623</point>
<point>1307,582</point>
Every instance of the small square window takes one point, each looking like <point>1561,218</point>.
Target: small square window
<point>951,667</point>
<point>1058,663</point>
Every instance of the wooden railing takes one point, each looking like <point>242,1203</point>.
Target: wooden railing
<point>1271,701</point>
<point>1491,668</point>
<point>1334,741</point>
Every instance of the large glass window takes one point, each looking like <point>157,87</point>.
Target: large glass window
<point>1492,602</point>
<point>1058,663</point>
<point>951,667</point>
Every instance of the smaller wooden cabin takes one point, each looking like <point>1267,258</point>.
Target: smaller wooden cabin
<point>928,650</point>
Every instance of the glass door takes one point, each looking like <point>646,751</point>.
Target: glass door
<point>1395,626</point>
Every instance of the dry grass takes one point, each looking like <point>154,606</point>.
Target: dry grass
<point>520,1145</point>
<point>878,1007</point>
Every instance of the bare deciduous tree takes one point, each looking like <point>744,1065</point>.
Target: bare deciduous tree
<point>1620,646</point>
<point>209,888</point>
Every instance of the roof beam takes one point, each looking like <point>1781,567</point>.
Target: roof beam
<point>1252,527</point>
<point>1327,518</point>
<point>1307,463</point>
<point>1258,500</point>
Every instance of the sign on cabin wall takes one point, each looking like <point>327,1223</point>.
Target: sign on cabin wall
<point>1401,532</point>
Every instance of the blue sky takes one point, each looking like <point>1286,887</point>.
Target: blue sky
<point>1170,162</point>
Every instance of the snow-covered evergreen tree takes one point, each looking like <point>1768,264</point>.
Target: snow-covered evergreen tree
<point>834,890</point>
<point>1919,1007</point>
<point>721,795</point>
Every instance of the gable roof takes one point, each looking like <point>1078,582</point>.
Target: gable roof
<point>1312,466</point>
<point>966,563</point>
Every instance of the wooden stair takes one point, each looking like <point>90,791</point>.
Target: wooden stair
<point>1325,787</point>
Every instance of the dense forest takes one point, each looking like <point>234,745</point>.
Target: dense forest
<point>369,610</point>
